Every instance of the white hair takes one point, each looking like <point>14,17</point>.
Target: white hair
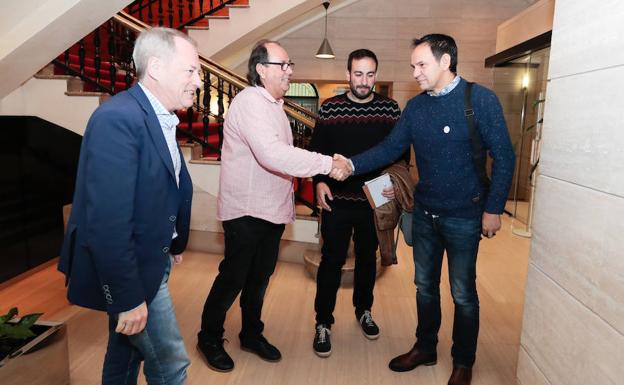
<point>156,42</point>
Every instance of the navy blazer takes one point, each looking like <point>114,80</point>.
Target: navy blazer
<point>126,206</point>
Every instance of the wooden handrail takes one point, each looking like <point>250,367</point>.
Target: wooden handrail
<point>295,111</point>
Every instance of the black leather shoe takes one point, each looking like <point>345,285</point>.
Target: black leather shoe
<point>460,376</point>
<point>262,348</point>
<point>410,360</point>
<point>216,356</point>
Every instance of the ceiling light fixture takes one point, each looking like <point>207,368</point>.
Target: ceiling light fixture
<point>325,51</point>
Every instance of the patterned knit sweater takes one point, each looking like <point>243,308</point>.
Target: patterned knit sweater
<point>436,127</point>
<point>349,128</point>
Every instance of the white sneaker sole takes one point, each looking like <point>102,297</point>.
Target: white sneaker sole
<point>370,337</point>
<point>323,354</point>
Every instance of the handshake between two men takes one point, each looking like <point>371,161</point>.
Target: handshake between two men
<point>341,168</point>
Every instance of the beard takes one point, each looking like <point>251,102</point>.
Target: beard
<point>361,92</point>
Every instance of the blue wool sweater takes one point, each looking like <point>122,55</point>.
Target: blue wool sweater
<point>436,127</point>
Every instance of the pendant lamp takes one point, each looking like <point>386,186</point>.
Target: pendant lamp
<point>325,51</point>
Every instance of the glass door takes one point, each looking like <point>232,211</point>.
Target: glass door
<point>521,87</point>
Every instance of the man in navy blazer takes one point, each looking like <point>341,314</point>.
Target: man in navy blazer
<point>131,212</point>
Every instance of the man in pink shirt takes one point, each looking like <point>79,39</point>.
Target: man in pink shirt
<point>256,200</point>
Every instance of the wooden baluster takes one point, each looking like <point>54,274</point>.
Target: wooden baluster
<point>211,6</point>
<point>170,12</point>
<point>140,9</point>
<point>221,110</point>
<point>97,59</point>
<point>111,54</point>
<point>190,7</point>
<point>201,7</point>
<point>81,56</point>
<point>206,101</point>
<point>129,40</point>
<point>220,95</point>
<point>207,95</point>
<point>67,61</point>
<point>160,13</point>
<point>230,94</point>
<point>181,11</point>
<point>189,119</point>
<point>150,14</point>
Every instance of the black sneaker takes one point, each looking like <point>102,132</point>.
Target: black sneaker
<point>216,356</point>
<point>322,343</point>
<point>369,327</point>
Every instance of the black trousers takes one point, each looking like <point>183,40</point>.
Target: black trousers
<point>337,226</point>
<point>251,248</point>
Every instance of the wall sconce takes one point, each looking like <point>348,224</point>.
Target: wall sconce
<point>325,51</point>
<point>525,81</point>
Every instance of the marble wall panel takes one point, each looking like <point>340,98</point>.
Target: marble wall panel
<point>586,36</point>
<point>576,242</point>
<point>584,130</point>
<point>570,343</point>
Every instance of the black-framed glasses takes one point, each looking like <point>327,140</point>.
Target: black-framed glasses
<point>283,65</point>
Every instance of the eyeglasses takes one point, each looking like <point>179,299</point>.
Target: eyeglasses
<point>283,65</point>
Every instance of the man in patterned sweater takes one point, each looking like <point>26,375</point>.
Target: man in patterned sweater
<point>349,124</point>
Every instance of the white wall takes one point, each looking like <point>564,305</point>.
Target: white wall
<point>46,99</point>
<point>35,32</point>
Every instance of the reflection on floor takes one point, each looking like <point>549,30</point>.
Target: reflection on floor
<point>289,318</point>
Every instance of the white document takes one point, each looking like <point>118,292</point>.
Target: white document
<point>374,187</point>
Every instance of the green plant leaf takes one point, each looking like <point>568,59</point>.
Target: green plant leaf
<point>29,320</point>
<point>8,316</point>
<point>19,332</point>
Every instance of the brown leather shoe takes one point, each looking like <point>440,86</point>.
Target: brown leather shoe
<point>460,376</point>
<point>412,359</point>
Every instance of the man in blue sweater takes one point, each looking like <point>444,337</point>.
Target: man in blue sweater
<point>453,208</point>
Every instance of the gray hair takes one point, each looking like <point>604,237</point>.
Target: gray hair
<point>156,42</point>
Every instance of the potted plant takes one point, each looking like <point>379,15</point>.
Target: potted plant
<point>31,351</point>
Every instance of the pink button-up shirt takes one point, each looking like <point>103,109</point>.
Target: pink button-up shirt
<point>258,160</point>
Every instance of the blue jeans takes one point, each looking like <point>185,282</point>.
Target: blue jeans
<point>159,345</point>
<point>460,238</point>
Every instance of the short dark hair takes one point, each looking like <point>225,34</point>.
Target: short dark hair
<point>259,54</point>
<point>440,44</point>
<point>361,54</point>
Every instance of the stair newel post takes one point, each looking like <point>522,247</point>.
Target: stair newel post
<point>81,56</point>
<point>181,11</point>
<point>97,60</point>
<point>190,8</point>
<point>170,12</point>
<point>66,58</point>
<point>161,17</point>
